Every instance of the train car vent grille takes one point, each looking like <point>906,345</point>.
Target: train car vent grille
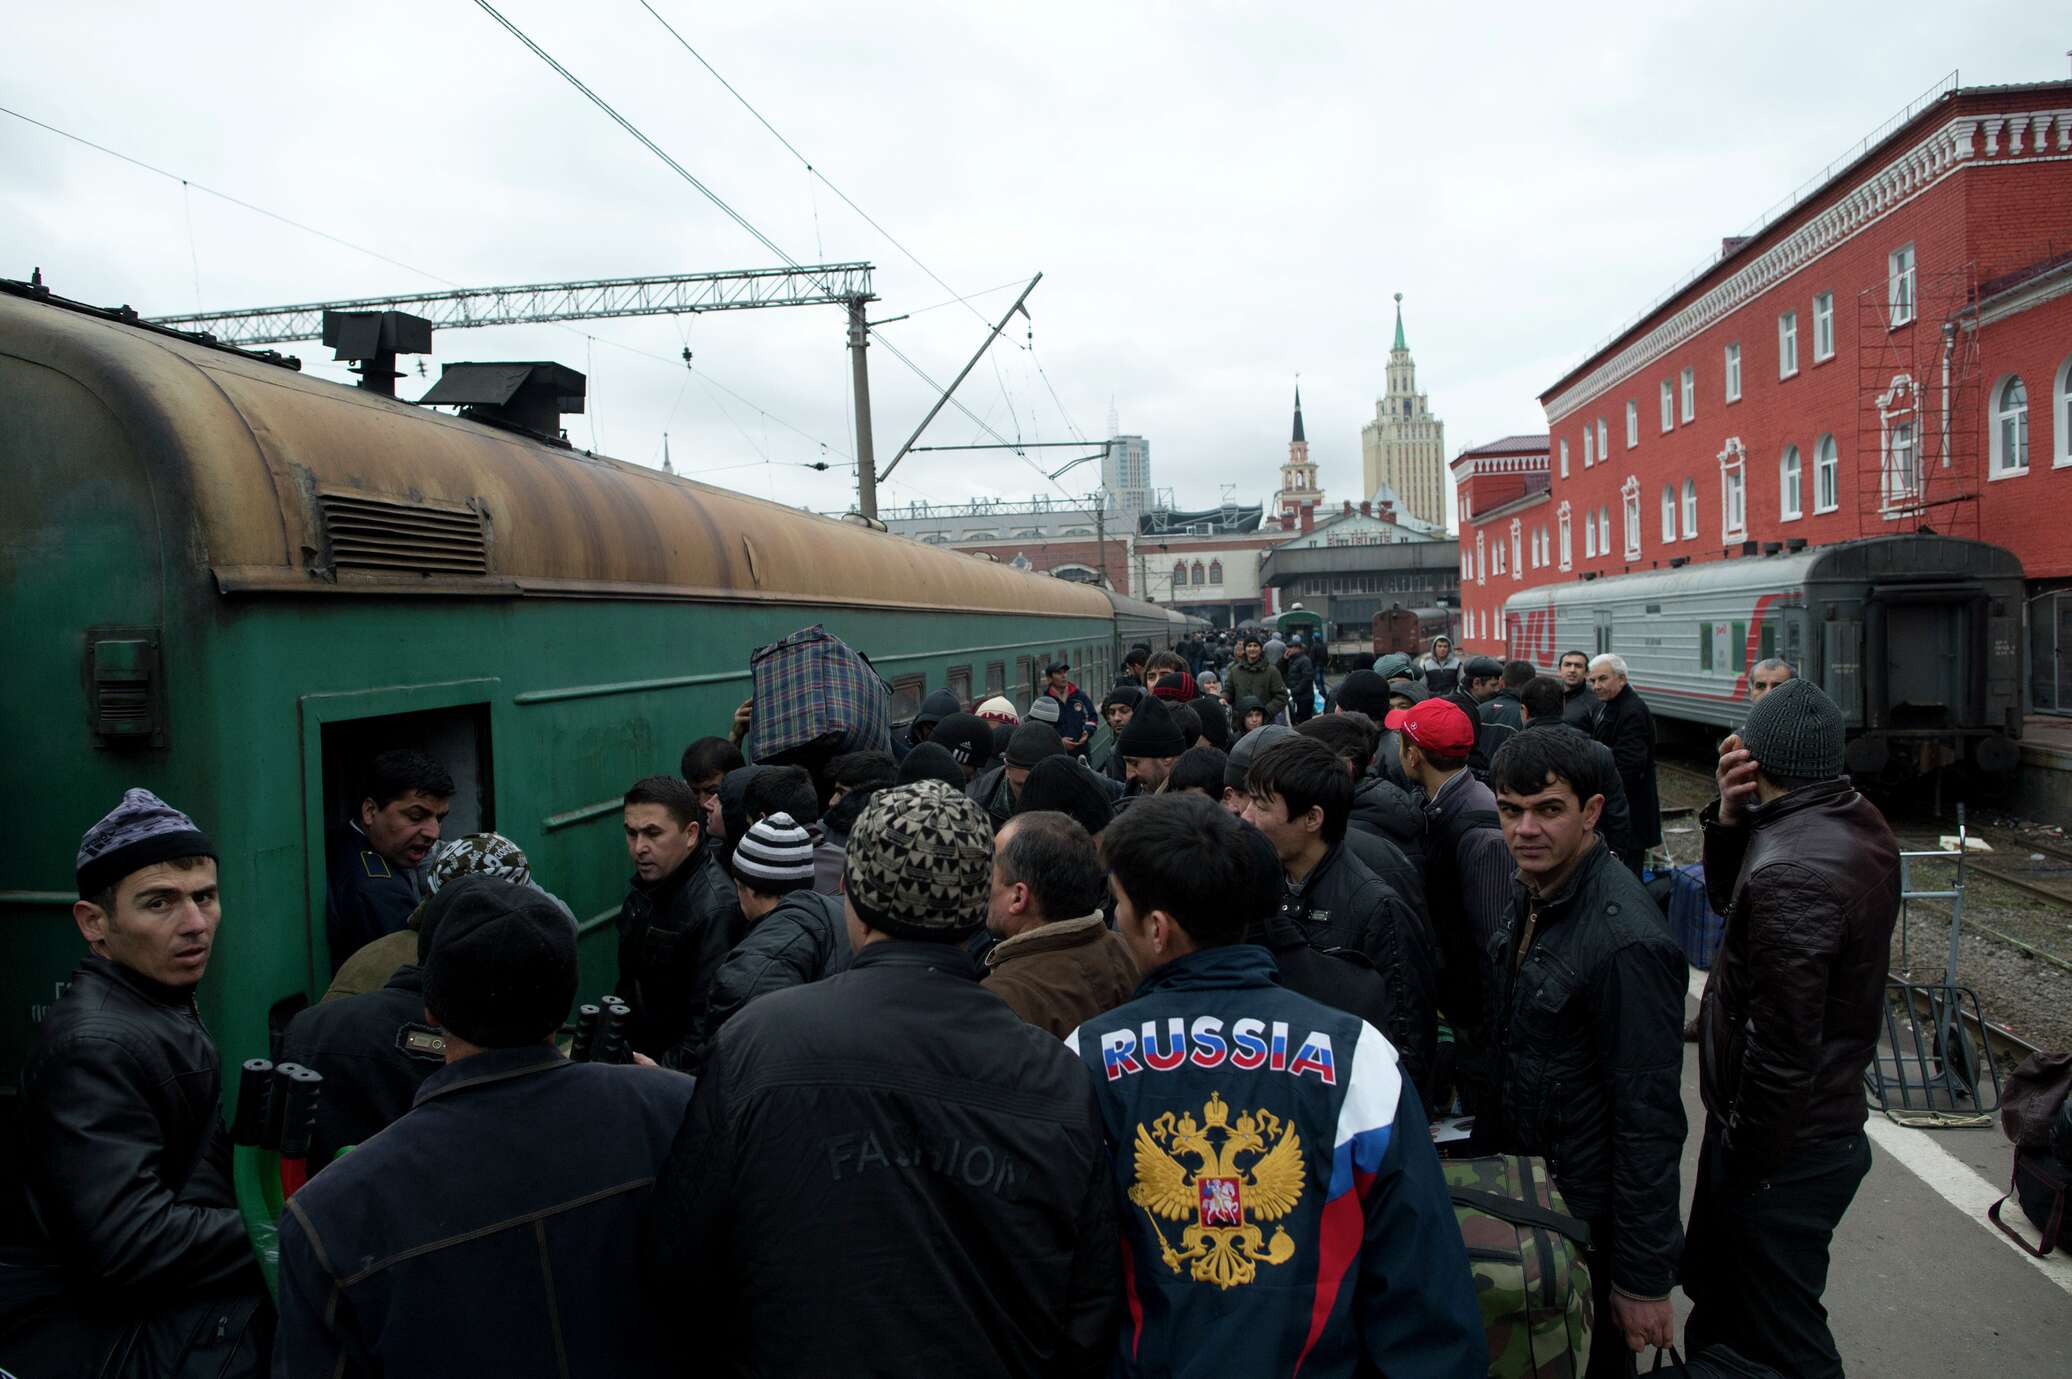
<point>397,536</point>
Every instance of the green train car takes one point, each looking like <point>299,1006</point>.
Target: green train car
<point>230,583</point>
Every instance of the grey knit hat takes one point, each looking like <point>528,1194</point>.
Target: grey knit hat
<point>1249,746</point>
<point>140,832</point>
<point>1795,730</point>
<point>920,862</point>
<point>1044,709</point>
<point>1397,666</point>
<point>775,850</point>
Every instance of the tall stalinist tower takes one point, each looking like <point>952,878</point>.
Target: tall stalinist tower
<point>1298,476</point>
<point>1404,447</point>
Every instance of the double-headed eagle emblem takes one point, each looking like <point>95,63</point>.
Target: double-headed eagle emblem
<point>1223,1247</point>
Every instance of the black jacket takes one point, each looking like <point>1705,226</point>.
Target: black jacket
<point>1624,725</point>
<point>1587,1010</point>
<point>372,1066</point>
<point>1489,734</point>
<point>125,1164</point>
<point>989,788</point>
<point>1504,708</point>
<point>1341,904</point>
<point>1468,878</point>
<point>804,939</point>
<point>888,1172</point>
<point>673,935</point>
<point>1809,886</point>
<point>1383,809</point>
<point>1578,706</point>
<point>365,898</point>
<point>1617,823</point>
<point>493,1230</point>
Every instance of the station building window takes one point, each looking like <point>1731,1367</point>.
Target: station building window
<point>1690,508</point>
<point>1668,407</point>
<point>1787,344</point>
<point>1568,547</point>
<point>1604,441</point>
<point>1899,285</point>
<point>2061,412</point>
<point>1690,394</point>
<point>1788,475</point>
<point>1564,459</point>
<point>1589,453</point>
<point>1629,509</point>
<point>1733,373</point>
<point>2010,428</point>
<point>1668,513</point>
<point>1632,424</point>
<point>1823,327</point>
<point>1827,475</point>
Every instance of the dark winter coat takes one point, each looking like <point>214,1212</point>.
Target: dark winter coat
<point>673,935</point>
<point>1057,976</point>
<point>1489,735</point>
<point>1341,904</point>
<point>938,705</point>
<point>1587,1014</point>
<point>1617,822</point>
<point>125,1164</point>
<point>1077,715</point>
<point>1468,879</point>
<point>364,897</point>
<point>989,787</point>
<point>1386,810</point>
<point>1503,707</point>
<point>494,1230</point>
<point>1343,1257</point>
<point>1624,725</point>
<point>371,1067</point>
<point>1262,682</point>
<point>1578,706</point>
<point>892,1123</point>
<point>804,939</point>
<point>1809,886</point>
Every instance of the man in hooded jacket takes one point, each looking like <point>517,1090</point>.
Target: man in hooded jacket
<point>939,704</point>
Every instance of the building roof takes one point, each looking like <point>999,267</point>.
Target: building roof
<point>1399,323</point>
<point>1297,438</point>
<point>1223,521</point>
<point>1510,445</point>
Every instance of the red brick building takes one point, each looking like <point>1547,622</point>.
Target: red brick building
<point>1501,492</point>
<point>1889,353</point>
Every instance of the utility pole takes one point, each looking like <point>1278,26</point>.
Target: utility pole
<point>1101,533</point>
<point>860,381</point>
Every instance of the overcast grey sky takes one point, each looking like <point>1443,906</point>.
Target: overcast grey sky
<point>1220,196</point>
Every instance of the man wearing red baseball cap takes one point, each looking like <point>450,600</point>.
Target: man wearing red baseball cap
<point>1468,869</point>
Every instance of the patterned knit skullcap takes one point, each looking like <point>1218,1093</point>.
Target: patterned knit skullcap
<point>477,854</point>
<point>999,709</point>
<point>920,862</point>
<point>775,849</point>
<point>140,832</point>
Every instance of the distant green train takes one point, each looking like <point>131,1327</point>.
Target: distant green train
<point>229,583</point>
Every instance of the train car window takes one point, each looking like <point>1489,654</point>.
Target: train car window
<point>907,693</point>
<point>996,678</point>
<point>1024,682</point>
<point>959,684</point>
<point>1705,646</point>
<point>1767,642</point>
<point>1737,646</point>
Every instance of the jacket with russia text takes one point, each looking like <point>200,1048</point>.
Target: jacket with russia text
<point>888,1172</point>
<point>1809,885</point>
<point>1282,1206</point>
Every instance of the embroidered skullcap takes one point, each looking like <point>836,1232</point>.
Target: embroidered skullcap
<point>476,854</point>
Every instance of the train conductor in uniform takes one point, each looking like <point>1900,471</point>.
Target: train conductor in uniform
<point>372,859</point>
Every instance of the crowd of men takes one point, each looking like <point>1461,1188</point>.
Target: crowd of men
<point>1080,1039</point>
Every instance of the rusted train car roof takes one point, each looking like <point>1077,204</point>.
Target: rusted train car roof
<point>261,452</point>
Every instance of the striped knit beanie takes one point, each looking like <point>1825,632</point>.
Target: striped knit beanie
<point>775,850</point>
<point>140,832</point>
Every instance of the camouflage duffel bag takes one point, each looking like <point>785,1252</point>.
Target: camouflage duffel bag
<point>1527,1256</point>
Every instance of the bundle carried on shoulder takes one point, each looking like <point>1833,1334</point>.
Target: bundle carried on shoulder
<point>1526,1253</point>
<point>2036,1115</point>
<point>813,690</point>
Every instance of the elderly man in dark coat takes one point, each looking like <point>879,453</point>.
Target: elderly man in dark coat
<point>1624,725</point>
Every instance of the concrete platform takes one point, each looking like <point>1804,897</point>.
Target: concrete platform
<point>1921,1285</point>
<point>2043,789</point>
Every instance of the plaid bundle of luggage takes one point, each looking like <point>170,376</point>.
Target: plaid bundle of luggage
<point>814,690</point>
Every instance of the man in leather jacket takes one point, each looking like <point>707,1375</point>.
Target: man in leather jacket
<point>1299,796</point>
<point>136,1259</point>
<point>1806,873</point>
<point>898,1127</point>
<point>1587,1008</point>
<point>679,918</point>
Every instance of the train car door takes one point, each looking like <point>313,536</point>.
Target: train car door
<point>1604,630</point>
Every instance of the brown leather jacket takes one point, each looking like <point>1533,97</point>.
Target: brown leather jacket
<point>1060,975</point>
<point>1809,886</point>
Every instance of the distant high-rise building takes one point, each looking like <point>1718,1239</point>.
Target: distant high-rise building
<point>1126,472</point>
<point>1404,447</point>
<point>1298,476</point>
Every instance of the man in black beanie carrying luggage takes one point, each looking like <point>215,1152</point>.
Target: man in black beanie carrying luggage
<point>1806,872</point>
<point>495,1228</point>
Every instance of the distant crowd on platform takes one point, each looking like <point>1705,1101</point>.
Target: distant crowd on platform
<point>1101,1036</point>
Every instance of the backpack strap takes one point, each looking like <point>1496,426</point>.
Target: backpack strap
<point>1519,1213</point>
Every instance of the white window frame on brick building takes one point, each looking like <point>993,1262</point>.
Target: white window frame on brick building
<point>1589,447</point>
<point>1827,475</point>
<point>1481,558</point>
<point>1566,526</point>
<point>1668,513</point>
<point>1632,423</point>
<point>1604,442</point>
<point>1589,536</point>
<point>1564,459</point>
<point>2061,411</point>
<point>1900,475</point>
<point>1629,503</point>
<point>1733,372</point>
<point>1668,407</point>
<point>1517,548</point>
<point>1900,284</point>
<point>1791,470</point>
<point>1496,558</point>
<point>1733,491</point>
<point>2010,411</point>
<point>1690,395</point>
<point>1787,344</point>
<point>1823,327</point>
<point>1690,509</point>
